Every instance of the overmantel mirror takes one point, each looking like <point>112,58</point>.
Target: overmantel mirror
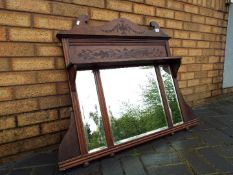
<point>123,87</point>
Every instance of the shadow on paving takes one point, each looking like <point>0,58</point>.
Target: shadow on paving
<point>205,149</point>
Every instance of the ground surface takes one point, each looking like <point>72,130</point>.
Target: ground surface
<point>205,149</point>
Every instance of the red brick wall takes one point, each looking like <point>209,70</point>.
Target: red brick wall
<point>34,100</point>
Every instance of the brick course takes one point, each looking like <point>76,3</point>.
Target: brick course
<point>30,35</point>
<point>11,18</point>
<point>34,100</point>
<point>33,63</point>
<point>36,117</point>
<point>39,6</point>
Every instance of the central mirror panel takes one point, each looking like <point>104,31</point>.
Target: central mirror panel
<point>133,102</point>
<point>90,111</point>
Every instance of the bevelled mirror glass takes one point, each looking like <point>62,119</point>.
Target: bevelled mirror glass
<point>133,102</point>
<point>90,111</point>
<point>171,94</point>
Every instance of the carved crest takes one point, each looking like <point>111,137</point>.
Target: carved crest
<point>117,27</point>
<point>123,28</point>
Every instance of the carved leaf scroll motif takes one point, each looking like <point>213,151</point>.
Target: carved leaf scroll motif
<point>88,54</point>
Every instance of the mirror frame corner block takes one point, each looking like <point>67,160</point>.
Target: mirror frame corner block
<point>117,44</point>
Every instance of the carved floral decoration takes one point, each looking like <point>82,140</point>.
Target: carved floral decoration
<point>123,28</point>
<point>88,54</point>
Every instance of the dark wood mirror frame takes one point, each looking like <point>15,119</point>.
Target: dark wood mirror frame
<point>119,43</point>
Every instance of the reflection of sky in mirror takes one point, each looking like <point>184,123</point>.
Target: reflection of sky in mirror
<point>163,72</point>
<point>88,98</point>
<point>124,86</point>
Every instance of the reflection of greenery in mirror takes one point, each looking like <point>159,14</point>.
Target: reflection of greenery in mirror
<point>133,101</point>
<point>92,120</point>
<point>171,94</point>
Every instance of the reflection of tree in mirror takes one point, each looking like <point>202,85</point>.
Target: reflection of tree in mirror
<point>135,119</point>
<point>139,119</point>
<point>96,138</point>
<point>171,95</point>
